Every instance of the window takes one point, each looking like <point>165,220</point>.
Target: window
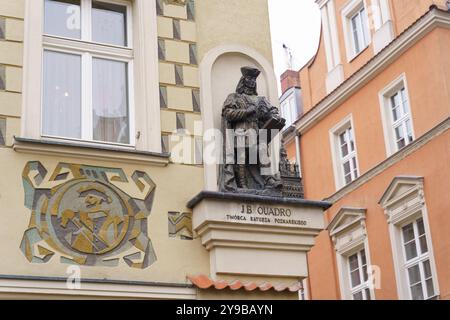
<point>87,71</point>
<point>401,119</point>
<point>360,30</point>
<point>359,278</point>
<point>417,261</point>
<point>289,111</point>
<point>349,235</point>
<point>405,206</point>
<point>356,27</point>
<point>396,116</point>
<point>348,155</point>
<point>344,153</point>
<point>291,106</point>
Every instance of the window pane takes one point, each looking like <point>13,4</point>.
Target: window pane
<point>355,168</point>
<point>358,296</point>
<point>430,288</point>
<point>368,294</point>
<point>63,18</point>
<point>62,95</point>
<point>395,105</point>
<point>414,274</point>
<point>409,131</point>
<point>365,26</point>
<point>365,274</point>
<point>109,23</point>
<point>401,143</point>
<point>110,101</point>
<point>356,33</point>
<point>356,278</point>
<point>427,269</point>
<point>405,101</point>
<point>353,262</point>
<point>344,150</point>
<point>416,292</point>
<point>420,227</point>
<point>408,233</point>
<point>351,139</point>
<point>423,244</point>
<point>347,169</point>
<point>410,250</point>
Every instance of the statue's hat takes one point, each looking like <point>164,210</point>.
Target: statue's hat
<point>250,72</point>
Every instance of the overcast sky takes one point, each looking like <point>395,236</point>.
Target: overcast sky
<point>295,23</point>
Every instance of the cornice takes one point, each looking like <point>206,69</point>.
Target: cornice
<point>83,151</point>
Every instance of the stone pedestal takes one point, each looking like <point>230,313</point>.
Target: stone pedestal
<point>257,235</point>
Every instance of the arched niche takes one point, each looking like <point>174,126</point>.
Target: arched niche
<point>220,71</point>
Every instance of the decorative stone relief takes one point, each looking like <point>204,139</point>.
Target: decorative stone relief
<point>180,225</point>
<point>81,213</point>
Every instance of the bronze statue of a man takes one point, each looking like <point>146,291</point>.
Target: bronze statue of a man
<point>246,166</point>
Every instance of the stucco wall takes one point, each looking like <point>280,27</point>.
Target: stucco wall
<point>428,90</point>
<point>233,22</point>
<point>432,163</point>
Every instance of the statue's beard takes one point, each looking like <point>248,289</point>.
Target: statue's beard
<point>250,91</point>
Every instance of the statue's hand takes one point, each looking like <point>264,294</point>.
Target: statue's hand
<point>251,110</point>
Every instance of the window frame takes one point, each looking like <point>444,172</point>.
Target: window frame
<point>338,159</point>
<point>143,84</point>
<point>388,122</point>
<point>88,50</point>
<point>419,259</point>
<point>349,235</point>
<point>364,285</point>
<point>360,33</point>
<point>349,10</point>
<point>404,202</point>
<point>291,106</point>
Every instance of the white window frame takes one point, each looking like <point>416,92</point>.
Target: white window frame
<point>349,236</point>
<point>88,50</point>
<point>289,109</point>
<point>338,160</point>
<point>363,285</point>
<point>350,9</point>
<point>386,114</point>
<point>145,120</point>
<point>421,257</point>
<point>404,202</point>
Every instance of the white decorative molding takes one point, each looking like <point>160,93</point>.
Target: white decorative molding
<point>257,235</point>
<point>29,287</point>
<point>348,229</point>
<point>383,36</point>
<point>92,152</point>
<point>334,78</point>
<point>349,235</point>
<point>433,19</point>
<point>404,202</point>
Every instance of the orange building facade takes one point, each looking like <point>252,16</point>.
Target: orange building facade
<point>373,138</point>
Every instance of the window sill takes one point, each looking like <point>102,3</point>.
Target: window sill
<point>84,151</point>
<point>354,56</point>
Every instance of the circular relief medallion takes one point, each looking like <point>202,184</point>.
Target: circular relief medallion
<point>88,217</point>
